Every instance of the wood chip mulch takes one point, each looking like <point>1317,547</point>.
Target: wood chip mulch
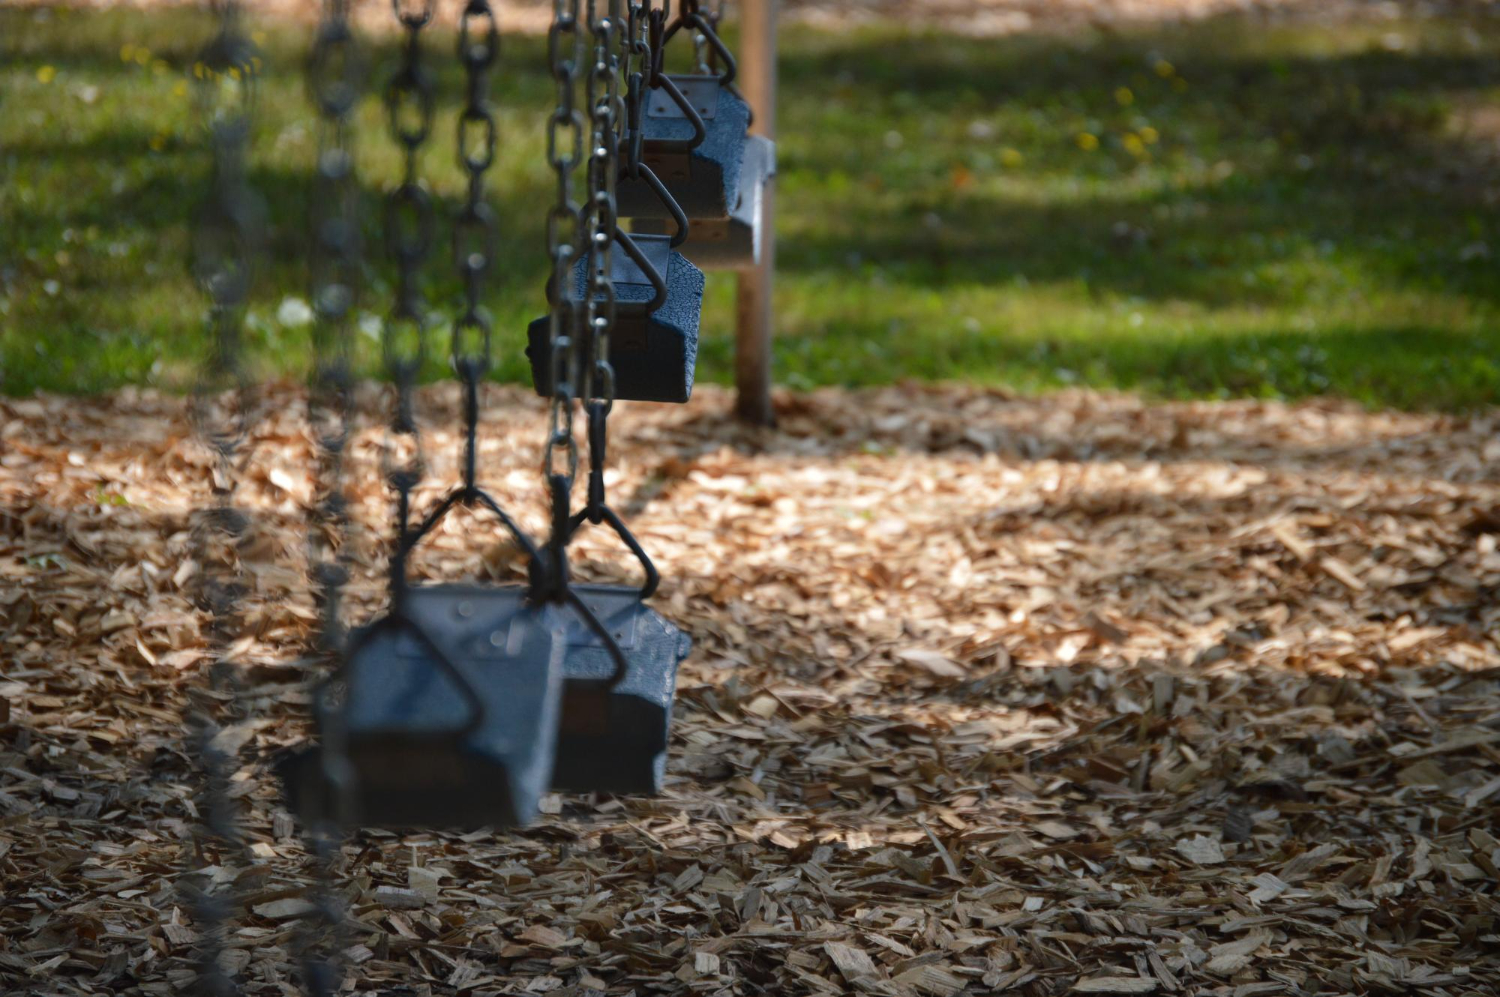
<point>1076,694</point>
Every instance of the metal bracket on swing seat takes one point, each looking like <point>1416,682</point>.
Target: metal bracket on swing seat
<point>701,91</point>
<point>704,181</point>
<point>613,739</point>
<point>450,714</point>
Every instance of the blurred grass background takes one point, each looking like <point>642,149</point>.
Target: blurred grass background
<point>1217,209</point>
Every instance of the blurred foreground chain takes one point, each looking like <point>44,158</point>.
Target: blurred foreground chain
<point>228,233</point>
<point>334,82</point>
<point>335,78</point>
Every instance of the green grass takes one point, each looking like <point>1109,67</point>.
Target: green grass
<point>1221,209</point>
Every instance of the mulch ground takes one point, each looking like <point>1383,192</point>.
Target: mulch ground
<point>1076,694</point>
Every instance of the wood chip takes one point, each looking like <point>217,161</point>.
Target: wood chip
<point>1201,850</point>
<point>936,981</point>
<point>853,963</point>
<point>399,898</point>
<point>284,910</point>
<point>1115,985</point>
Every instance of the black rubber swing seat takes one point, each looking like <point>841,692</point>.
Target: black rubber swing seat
<point>451,713</point>
<point>705,181</point>
<point>613,738</point>
<point>731,243</point>
<point>654,353</point>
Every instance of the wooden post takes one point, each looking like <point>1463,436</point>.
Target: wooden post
<point>754,314</point>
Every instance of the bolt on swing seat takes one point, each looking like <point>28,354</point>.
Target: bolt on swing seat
<point>733,242</point>
<point>705,178</point>
<point>653,346</point>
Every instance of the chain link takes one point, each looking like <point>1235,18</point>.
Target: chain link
<point>409,99</point>
<point>228,232</point>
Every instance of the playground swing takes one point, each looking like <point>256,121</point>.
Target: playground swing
<point>695,136</point>
<point>654,295</point>
<point>465,702</point>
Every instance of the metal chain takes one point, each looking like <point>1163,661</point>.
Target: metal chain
<point>585,362</point>
<point>409,97</point>
<point>335,76</point>
<point>606,113</point>
<point>565,231</point>
<point>692,15</point>
<point>715,17</point>
<point>703,53</point>
<point>473,256</point>
<point>335,80</point>
<point>633,45</point>
<point>638,65</point>
<point>474,226</point>
<point>705,25</point>
<point>228,231</point>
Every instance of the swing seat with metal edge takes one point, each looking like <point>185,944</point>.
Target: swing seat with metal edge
<point>694,132</point>
<point>658,303</point>
<point>731,243</point>
<point>449,705</point>
<point>618,684</point>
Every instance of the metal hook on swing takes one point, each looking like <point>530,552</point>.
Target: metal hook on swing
<point>557,586</point>
<point>679,217</point>
<point>693,15</point>
<point>659,80</point>
<point>617,709</point>
<point>653,275</point>
<point>598,511</point>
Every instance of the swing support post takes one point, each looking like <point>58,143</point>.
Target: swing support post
<point>753,311</point>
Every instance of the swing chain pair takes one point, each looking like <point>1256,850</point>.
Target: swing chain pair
<point>409,220</point>
<point>228,232</point>
<point>579,332</point>
<point>615,118</point>
<point>409,103</point>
